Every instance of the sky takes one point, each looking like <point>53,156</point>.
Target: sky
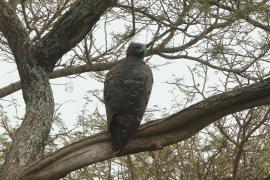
<point>69,92</point>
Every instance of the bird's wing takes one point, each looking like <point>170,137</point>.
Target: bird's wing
<point>113,91</point>
<point>127,90</point>
<point>148,82</point>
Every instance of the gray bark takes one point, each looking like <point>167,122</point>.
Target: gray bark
<point>30,137</point>
<point>72,27</point>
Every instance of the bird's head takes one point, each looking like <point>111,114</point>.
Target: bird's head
<point>136,50</point>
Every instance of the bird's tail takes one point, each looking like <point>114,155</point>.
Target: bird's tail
<point>119,135</point>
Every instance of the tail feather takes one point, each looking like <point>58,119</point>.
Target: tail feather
<point>119,135</point>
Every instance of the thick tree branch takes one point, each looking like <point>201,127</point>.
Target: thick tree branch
<point>12,28</point>
<point>18,39</point>
<point>70,29</point>
<point>153,135</point>
<point>5,91</point>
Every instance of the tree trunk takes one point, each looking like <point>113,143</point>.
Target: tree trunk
<point>29,138</point>
<point>34,63</point>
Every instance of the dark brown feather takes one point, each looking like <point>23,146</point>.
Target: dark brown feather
<point>127,90</point>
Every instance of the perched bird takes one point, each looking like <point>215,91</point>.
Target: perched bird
<point>127,90</point>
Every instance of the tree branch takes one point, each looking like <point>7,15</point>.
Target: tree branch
<point>153,135</point>
<point>245,17</point>
<point>12,28</point>
<point>69,30</point>
<point>5,91</point>
<point>196,39</point>
<point>17,37</point>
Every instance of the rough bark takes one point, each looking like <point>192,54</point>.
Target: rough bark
<point>30,137</point>
<point>33,63</point>
<point>153,135</point>
<point>70,30</point>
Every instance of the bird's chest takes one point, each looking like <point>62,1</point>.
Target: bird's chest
<point>133,80</point>
<point>132,86</point>
<point>126,90</point>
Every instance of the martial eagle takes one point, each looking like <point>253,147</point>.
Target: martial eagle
<point>127,90</point>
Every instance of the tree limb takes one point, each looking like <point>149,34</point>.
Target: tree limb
<point>245,17</point>
<point>7,90</point>
<point>153,135</point>
<point>12,28</point>
<point>17,37</point>
<point>196,39</point>
<point>69,30</point>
